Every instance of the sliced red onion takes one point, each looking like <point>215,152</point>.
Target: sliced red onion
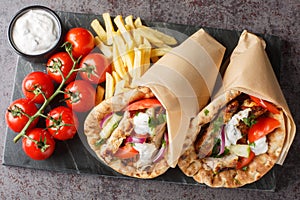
<point>222,145</point>
<point>160,154</point>
<point>105,119</point>
<point>132,139</point>
<point>166,138</point>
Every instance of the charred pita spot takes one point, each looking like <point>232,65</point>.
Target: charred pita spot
<point>183,157</point>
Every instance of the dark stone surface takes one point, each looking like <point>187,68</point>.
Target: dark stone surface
<point>280,18</point>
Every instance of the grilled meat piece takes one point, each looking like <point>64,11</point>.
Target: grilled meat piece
<point>230,109</point>
<point>123,130</point>
<point>217,164</point>
<point>257,111</point>
<point>204,145</point>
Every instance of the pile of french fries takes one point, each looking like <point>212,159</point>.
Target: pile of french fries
<point>131,48</point>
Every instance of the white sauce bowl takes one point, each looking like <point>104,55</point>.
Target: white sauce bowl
<point>35,33</point>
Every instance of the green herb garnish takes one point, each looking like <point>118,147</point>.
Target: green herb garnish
<point>119,113</point>
<point>217,124</point>
<point>131,144</point>
<point>252,144</point>
<point>216,147</point>
<point>153,122</point>
<point>206,112</point>
<point>163,143</point>
<point>99,142</point>
<point>245,168</point>
<point>250,121</point>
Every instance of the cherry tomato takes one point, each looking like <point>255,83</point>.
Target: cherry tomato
<point>263,127</point>
<point>126,152</point>
<point>17,114</point>
<point>269,106</point>
<point>80,96</point>
<point>142,104</point>
<point>82,41</point>
<point>62,123</point>
<point>38,144</point>
<point>36,83</point>
<point>243,161</point>
<point>95,66</point>
<point>62,61</point>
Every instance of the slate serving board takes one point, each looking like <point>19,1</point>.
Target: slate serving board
<point>75,156</point>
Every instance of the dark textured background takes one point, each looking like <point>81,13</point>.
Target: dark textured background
<point>280,18</point>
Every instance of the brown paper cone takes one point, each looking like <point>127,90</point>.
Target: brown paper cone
<point>250,71</point>
<point>183,80</point>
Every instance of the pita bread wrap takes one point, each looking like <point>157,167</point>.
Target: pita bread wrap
<point>249,73</point>
<point>182,80</point>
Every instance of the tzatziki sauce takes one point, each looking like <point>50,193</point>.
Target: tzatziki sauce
<point>260,146</point>
<point>140,123</point>
<point>233,134</point>
<point>35,32</point>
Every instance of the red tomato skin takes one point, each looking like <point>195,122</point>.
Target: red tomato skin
<point>67,117</point>
<point>17,123</point>
<point>37,79</point>
<point>102,65</point>
<point>126,152</point>
<point>243,161</point>
<point>269,106</point>
<point>262,127</point>
<point>143,104</point>
<point>66,67</point>
<point>32,150</point>
<point>86,94</point>
<point>82,41</point>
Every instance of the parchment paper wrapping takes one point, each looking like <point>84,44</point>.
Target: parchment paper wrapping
<point>250,71</point>
<point>183,81</point>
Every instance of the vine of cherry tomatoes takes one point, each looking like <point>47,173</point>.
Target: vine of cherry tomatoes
<point>61,122</point>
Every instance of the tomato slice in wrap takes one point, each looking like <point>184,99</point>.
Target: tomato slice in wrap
<point>143,104</point>
<point>263,127</point>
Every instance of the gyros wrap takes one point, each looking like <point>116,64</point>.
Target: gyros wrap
<point>143,141</point>
<point>247,127</point>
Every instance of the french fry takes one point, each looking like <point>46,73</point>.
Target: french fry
<point>109,28</point>
<point>118,63</point>
<point>151,37</point>
<point>110,86</point>
<point>126,35</point>
<point>121,87</point>
<point>95,24</point>
<point>138,22</point>
<point>124,52</point>
<point>160,51</point>
<point>147,52</point>
<point>116,77</point>
<point>167,39</point>
<point>137,67</point>
<point>128,28</point>
<point>137,37</point>
<point>144,60</point>
<point>154,59</point>
<point>106,50</point>
<point>119,43</point>
<point>129,21</point>
<point>99,94</point>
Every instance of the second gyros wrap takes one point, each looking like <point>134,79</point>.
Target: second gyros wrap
<point>247,127</point>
